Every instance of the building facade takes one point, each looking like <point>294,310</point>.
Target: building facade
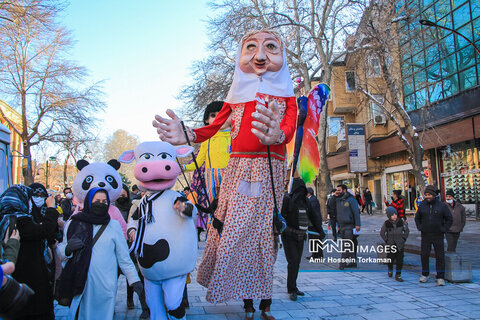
<point>440,74</point>
<point>16,141</point>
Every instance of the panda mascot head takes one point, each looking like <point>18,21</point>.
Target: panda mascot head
<point>97,174</point>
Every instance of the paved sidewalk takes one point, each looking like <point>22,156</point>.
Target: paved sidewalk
<point>334,294</point>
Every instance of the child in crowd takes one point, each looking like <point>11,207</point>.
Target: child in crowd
<point>395,233</point>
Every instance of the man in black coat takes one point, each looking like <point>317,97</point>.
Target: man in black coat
<point>312,234</point>
<point>332,212</point>
<point>368,200</point>
<point>433,219</point>
<point>298,213</point>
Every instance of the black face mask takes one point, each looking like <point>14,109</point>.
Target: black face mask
<point>122,200</point>
<point>99,209</point>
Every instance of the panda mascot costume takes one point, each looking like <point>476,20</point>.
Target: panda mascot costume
<point>100,175</point>
<point>162,228</point>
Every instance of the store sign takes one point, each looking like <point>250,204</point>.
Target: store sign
<point>357,148</point>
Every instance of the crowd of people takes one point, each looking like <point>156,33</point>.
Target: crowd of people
<point>436,221</point>
<point>41,231</point>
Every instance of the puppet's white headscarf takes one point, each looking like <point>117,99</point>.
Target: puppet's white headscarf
<point>246,85</point>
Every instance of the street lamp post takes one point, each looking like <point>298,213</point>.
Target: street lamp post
<point>433,24</point>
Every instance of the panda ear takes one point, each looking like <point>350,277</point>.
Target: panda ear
<point>114,163</point>
<point>82,164</point>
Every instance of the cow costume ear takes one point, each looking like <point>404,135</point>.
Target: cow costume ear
<point>114,163</point>
<point>82,164</point>
<point>183,151</point>
<point>127,156</point>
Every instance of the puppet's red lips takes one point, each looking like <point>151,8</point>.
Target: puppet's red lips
<point>260,64</point>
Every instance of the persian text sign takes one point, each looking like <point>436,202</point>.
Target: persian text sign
<point>357,148</point>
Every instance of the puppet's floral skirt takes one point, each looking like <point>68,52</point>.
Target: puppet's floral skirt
<point>239,263</point>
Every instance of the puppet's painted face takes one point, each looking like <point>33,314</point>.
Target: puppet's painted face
<point>261,52</point>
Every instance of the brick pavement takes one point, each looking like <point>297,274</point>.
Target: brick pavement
<point>334,294</point>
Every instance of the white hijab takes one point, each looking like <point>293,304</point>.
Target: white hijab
<point>246,85</point>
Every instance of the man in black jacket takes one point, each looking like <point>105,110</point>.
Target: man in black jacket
<point>433,219</point>
<point>348,217</point>
<point>332,212</point>
<point>312,234</point>
<point>298,213</point>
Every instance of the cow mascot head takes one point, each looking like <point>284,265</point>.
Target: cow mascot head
<point>156,168</point>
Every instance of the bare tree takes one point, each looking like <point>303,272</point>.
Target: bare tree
<point>76,144</point>
<point>39,79</point>
<point>314,33</point>
<point>119,142</point>
<point>378,37</point>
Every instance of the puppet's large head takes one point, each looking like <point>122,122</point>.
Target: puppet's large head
<point>156,168</point>
<point>97,174</point>
<point>260,67</point>
<point>261,51</point>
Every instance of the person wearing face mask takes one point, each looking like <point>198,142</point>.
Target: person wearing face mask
<point>93,246</point>
<point>36,225</point>
<point>67,203</point>
<point>433,219</point>
<point>459,219</point>
<point>123,203</point>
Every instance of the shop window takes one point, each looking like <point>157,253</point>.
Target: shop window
<point>350,80</point>
<point>468,78</point>
<point>461,171</point>
<point>336,127</point>
<point>461,16</point>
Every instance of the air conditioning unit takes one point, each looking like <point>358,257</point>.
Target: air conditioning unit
<point>379,119</point>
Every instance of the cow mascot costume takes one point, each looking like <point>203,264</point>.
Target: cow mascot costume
<point>162,228</point>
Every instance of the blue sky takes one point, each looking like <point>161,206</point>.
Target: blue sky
<point>143,50</point>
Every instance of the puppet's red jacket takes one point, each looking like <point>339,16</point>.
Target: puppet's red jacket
<point>244,143</point>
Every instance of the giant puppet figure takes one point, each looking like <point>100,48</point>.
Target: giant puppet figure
<point>238,261</point>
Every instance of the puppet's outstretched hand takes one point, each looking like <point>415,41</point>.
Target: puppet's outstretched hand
<point>170,130</point>
<point>267,128</point>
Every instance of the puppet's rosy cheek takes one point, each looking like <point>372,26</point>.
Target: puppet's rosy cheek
<point>276,62</point>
